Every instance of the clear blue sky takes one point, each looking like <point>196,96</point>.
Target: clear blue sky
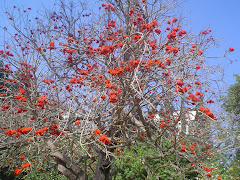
<point>222,16</point>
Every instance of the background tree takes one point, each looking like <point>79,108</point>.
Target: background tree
<point>231,105</point>
<point>93,85</point>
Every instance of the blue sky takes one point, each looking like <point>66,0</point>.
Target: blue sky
<point>223,18</point>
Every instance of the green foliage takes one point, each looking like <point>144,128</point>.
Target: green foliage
<point>130,165</point>
<point>50,173</point>
<point>39,171</point>
<point>232,105</point>
<point>222,167</point>
<point>2,74</point>
<point>232,101</point>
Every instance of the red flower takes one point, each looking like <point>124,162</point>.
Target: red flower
<point>21,157</point>
<point>200,52</point>
<point>22,91</point>
<point>154,23</point>
<point>158,31</point>
<point>168,61</point>
<point>51,45</point>
<point>210,101</point>
<point>97,131</point>
<point>103,97</point>
<point>146,66</point>
<point>41,102</point>
<point>172,35</point>
<point>198,83</point>
<point>131,12</point>
<point>139,19</point>
<point>191,148</point>
<point>182,32</point>
<point>198,66</point>
<point>10,132</point>
<point>174,19</point>
<point>118,152</point>
<point>179,83</point>
<point>93,99</point>
<point>209,175</point>
<point>25,165</point>
<point>231,49</point>
<point>104,139</point>
<point>77,122</point>
<point>183,149</point>
<point>17,171</point>
<point>24,130</point>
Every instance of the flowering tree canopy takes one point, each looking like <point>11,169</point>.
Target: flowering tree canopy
<point>85,86</point>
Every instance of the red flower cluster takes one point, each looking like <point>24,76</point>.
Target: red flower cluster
<point>108,7</point>
<point>136,38</point>
<point>193,98</point>
<point>76,80</point>
<point>24,130</point>
<point>172,35</point>
<point>198,83</point>
<point>41,102</point>
<point>170,49</point>
<point>207,112</point>
<point>51,45</point>
<point>19,131</point>
<point>113,95</point>
<point>158,31</point>
<point>20,98</point>
<point>6,68</point>
<point>198,93</point>
<point>21,158</point>
<point>131,12</point>
<point>5,107</point>
<point>11,132</point>
<point>55,130</point>
<point>41,131</point>
<point>104,139</point>
<point>207,169</point>
<point>210,101</point>
<point>97,131</point>
<point>116,71</point>
<point>17,171</point>
<point>107,49</point>
<point>182,32</point>
<point>134,63</point>
<point>200,52</point>
<point>231,49</point>
<point>191,148</point>
<point>22,91</point>
<point>109,85</point>
<point>77,122</point>
<point>25,165</point>
<point>48,81</point>
<point>183,149</point>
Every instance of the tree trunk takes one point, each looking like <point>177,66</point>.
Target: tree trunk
<point>103,167</point>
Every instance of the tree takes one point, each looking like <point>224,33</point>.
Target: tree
<point>92,85</point>
<point>232,101</point>
<point>231,105</point>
